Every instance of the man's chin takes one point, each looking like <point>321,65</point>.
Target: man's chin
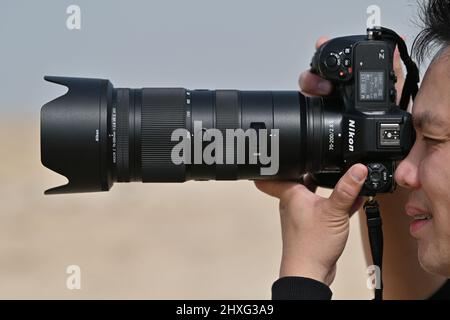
<point>431,261</point>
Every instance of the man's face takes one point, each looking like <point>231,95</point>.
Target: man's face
<point>426,170</point>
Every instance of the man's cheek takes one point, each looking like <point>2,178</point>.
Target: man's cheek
<point>434,175</point>
<point>435,179</point>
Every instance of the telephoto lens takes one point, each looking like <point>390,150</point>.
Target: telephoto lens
<point>96,135</point>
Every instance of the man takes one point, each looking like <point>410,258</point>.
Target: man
<point>315,229</point>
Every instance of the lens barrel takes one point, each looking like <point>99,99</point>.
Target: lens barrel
<point>96,135</point>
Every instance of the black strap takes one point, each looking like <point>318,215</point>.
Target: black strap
<point>374,226</point>
<point>371,207</point>
<point>411,86</point>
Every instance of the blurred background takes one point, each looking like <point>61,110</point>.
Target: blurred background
<point>198,240</point>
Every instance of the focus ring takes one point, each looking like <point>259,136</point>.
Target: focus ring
<point>163,111</point>
<point>227,117</point>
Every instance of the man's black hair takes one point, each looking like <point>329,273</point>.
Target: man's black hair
<point>434,17</point>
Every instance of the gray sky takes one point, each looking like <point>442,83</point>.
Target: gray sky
<point>253,44</point>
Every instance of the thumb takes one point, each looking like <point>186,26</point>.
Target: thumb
<point>347,190</point>
<point>398,67</point>
<point>321,41</point>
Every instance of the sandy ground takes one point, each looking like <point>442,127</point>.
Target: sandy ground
<point>188,241</point>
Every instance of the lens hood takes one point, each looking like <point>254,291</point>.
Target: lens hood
<point>74,135</point>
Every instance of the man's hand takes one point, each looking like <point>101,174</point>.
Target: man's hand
<point>315,229</point>
<point>313,85</point>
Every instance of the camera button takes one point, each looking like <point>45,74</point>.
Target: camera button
<point>347,63</point>
<point>393,76</point>
<point>348,51</point>
<point>377,176</point>
<point>375,166</point>
<point>393,95</point>
<point>331,61</point>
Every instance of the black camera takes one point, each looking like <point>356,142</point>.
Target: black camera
<point>96,135</point>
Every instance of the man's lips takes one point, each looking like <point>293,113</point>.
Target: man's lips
<point>421,218</point>
<point>412,210</point>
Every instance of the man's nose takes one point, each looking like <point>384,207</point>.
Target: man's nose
<point>407,173</point>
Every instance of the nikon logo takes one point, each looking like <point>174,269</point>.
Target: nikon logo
<point>351,135</point>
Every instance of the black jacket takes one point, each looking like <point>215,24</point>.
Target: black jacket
<point>298,288</point>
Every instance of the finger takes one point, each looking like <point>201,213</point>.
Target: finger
<point>398,69</point>
<point>309,183</point>
<point>312,84</point>
<point>278,189</point>
<point>347,190</point>
<point>357,205</point>
<point>398,66</point>
<point>399,72</point>
<point>321,41</point>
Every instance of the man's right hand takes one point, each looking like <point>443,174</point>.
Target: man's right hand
<point>313,85</point>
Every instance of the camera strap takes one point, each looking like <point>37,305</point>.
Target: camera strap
<point>371,207</point>
<point>375,230</point>
<point>411,86</point>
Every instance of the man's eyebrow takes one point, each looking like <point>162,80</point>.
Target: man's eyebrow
<point>428,119</point>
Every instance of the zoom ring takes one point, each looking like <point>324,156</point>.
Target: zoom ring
<point>163,111</point>
<point>122,138</point>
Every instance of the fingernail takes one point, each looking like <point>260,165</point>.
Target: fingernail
<point>324,87</point>
<point>358,173</point>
